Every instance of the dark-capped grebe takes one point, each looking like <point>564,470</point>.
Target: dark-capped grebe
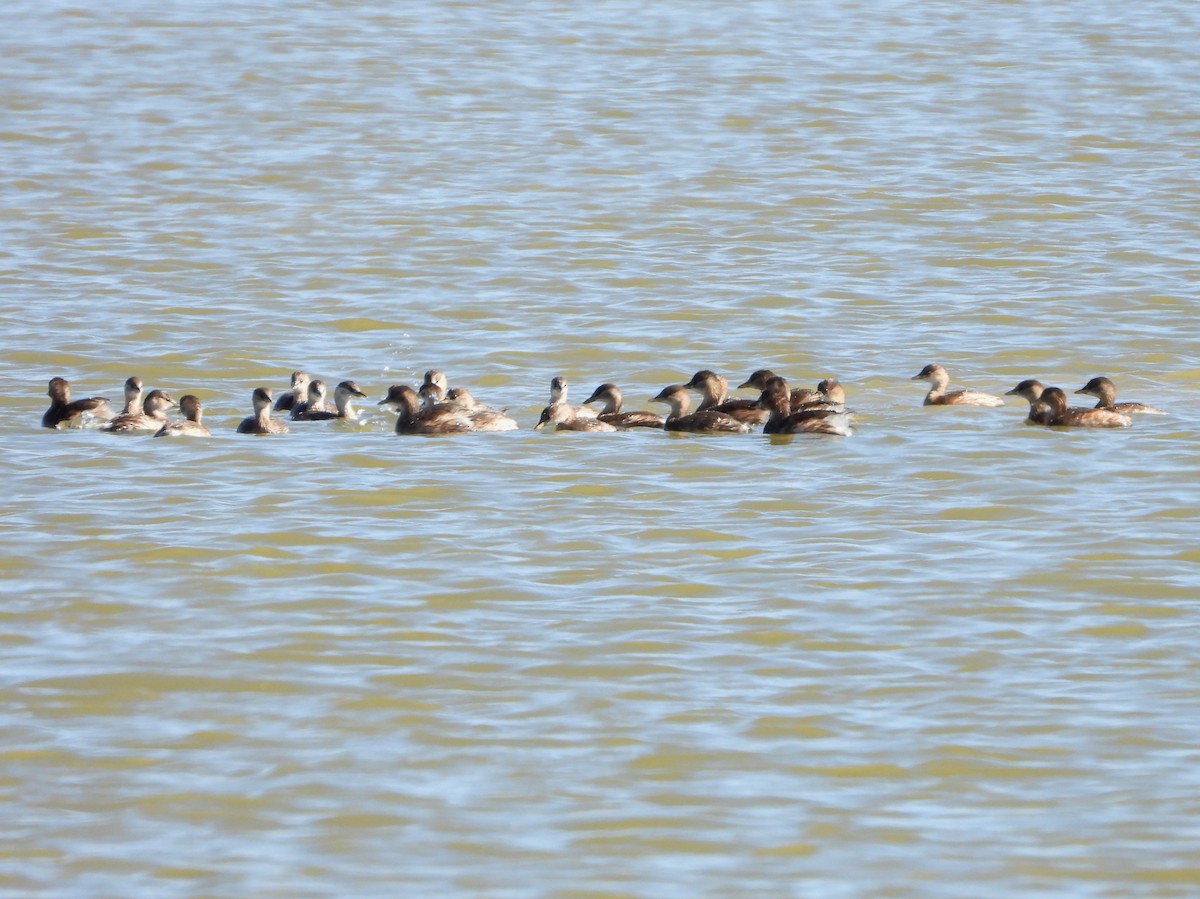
<point>610,395</point>
<point>190,425</point>
<point>429,420</point>
<point>152,417</point>
<point>715,390</point>
<point>483,417</point>
<point>776,400</point>
<point>1106,392</point>
<point>558,394</point>
<point>1054,401</point>
<point>343,398</point>
<point>939,380</point>
<point>261,421</point>
<point>564,418</point>
<point>1031,390</point>
<point>314,406</point>
<point>297,395</point>
<point>63,411</point>
<point>393,397</point>
<point>799,398</point>
<point>712,386</point>
<point>677,397</point>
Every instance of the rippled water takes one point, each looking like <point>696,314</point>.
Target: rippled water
<point>951,655</point>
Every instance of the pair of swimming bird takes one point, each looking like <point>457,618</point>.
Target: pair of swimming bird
<point>1047,405</point>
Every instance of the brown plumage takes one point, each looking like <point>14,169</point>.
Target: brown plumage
<point>1106,393</point>
<point>297,395</point>
<point>776,399</point>
<point>938,395</point>
<point>715,390</point>
<point>430,420</point>
<point>190,425</point>
<point>558,394</point>
<point>343,400</point>
<point>63,411</point>
<point>1055,401</point>
<point>564,418</point>
<point>610,395</point>
<point>261,422</point>
<point>152,417</point>
<point>707,421</point>
<point>800,397</point>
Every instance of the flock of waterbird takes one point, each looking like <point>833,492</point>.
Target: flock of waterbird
<point>436,408</point>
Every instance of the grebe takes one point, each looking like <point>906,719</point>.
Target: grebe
<point>483,417</point>
<point>1106,392</point>
<point>558,394</point>
<point>133,396</point>
<point>298,395</point>
<point>428,420</point>
<point>1055,401</point>
<point>715,390</point>
<point>610,395</point>
<point>190,425</point>
<point>261,421</point>
<point>564,418</point>
<point>677,397</point>
<point>776,399</point>
<point>343,398</point>
<point>313,406</point>
<point>939,380</point>
<point>152,417</point>
<point>800,396</point>
<point>63,411</point>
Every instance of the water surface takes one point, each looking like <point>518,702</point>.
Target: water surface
<point>951,655</point>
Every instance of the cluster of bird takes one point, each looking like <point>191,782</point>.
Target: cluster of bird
<point>1047,405</point>
<point>436,408</point>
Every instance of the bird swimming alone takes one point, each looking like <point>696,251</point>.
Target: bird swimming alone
<point>939,380</point>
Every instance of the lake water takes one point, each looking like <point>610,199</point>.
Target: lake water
<point>952,655</point>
